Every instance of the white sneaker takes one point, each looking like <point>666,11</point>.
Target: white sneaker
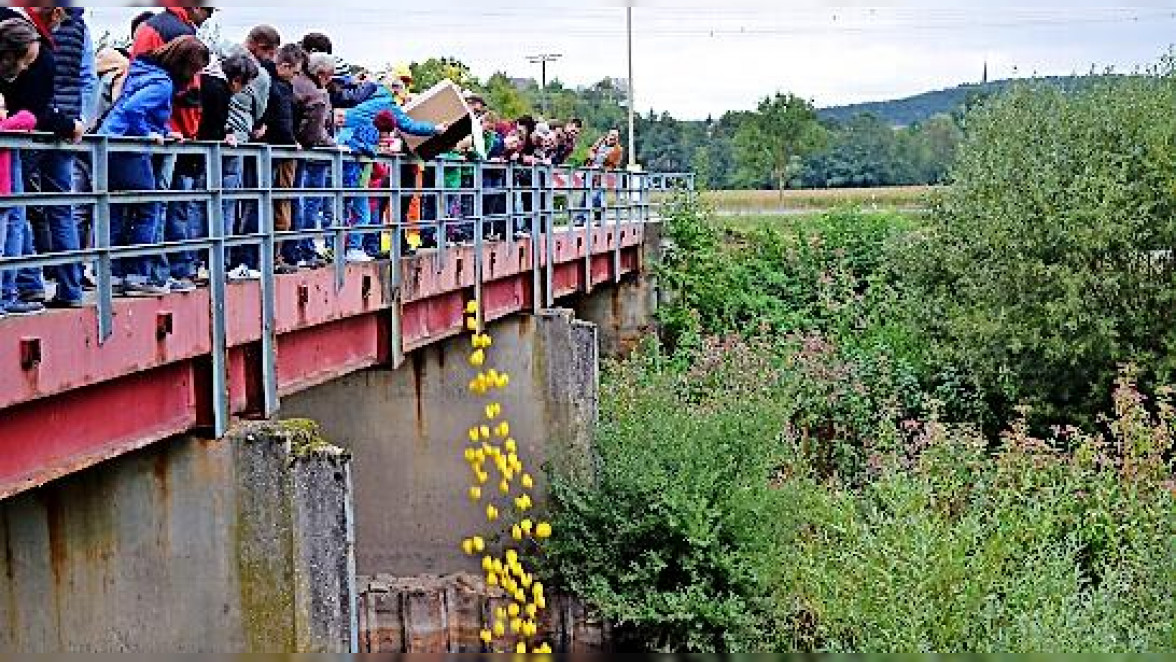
<point>358,256</point>
<point>244,273</point>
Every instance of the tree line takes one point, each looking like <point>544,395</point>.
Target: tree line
<point>784,143</point>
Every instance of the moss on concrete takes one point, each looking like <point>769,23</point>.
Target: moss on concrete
<point>304,437</point>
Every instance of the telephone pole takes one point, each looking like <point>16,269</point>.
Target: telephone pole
<point>632,97</point>
<point>542,59</point>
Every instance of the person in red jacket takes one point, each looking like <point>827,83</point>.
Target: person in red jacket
<point>182,220</point>
<point>157,32</point>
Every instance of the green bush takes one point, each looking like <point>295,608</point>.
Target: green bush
<point>716,525</point>
<point>1046,264</point>
<point>828,274</point>
<point>670,543</point>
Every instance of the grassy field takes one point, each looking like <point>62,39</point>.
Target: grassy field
<point>750,202</point>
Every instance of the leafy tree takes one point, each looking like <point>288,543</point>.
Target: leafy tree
<point>784,128</point>
<point>434,70</point>
<point>506,99</point>
<point>1048,261</point>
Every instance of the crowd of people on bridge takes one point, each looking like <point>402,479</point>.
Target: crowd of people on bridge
<point>168,86</point>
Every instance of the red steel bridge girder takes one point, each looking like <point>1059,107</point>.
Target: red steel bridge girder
<point>68,402</point>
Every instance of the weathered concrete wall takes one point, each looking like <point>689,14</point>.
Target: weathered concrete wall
<point>407,430</point>
<point>626,312</point>
<point>446,615</point>
<point>188,546</point>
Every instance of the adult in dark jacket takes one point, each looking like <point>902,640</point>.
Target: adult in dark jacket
<point>279,131</point>
<point>315,129</point>
<point>218,84</point>
<point>144,110</point>
<point>46,171</point>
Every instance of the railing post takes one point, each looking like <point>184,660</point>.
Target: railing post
<point>439,190</point>
<point>100,168</point>
<point>508,204</point>
<point>269,345</point>
<point>588,230</point>
<point>479,245</point>
<point>395,204</point>
<point>339,207</point>
<point>533,229</point>
<point>623,183</point>
<point>547,217</point>
<point>217,293</point>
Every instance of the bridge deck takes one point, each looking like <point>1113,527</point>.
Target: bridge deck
<point>68,401</point>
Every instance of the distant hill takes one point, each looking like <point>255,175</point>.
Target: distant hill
<point>919,108</point>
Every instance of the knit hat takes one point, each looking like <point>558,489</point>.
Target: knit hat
<point>386,122</point>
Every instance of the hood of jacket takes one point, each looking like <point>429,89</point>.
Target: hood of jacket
<point>144,70</point>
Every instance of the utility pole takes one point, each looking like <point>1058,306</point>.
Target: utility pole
<point>632,97</point>
<point>542,59</point>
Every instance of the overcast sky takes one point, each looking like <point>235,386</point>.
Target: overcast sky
<point>695,58</point>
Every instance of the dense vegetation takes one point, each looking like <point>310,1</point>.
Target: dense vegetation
<point>828,449</point>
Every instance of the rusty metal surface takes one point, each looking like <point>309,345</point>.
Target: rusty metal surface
<point>429,614</point>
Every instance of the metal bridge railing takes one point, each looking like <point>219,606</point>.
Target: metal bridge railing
<point>479,202</point>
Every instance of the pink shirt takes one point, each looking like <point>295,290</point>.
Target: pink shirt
<point>22,121</point>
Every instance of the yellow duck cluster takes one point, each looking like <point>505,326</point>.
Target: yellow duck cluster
<point>491,448</point>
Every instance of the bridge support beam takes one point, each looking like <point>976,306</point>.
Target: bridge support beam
<point>407,430</point>
<point>238,545</point>
<point>625,312</point>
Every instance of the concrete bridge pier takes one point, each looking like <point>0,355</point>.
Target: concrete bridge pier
<point>190,545</point>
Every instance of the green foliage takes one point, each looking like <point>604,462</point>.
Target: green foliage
<point>867,152</point>
<point>826,273</point>
<point>434,70</point>
<point>773,140</point>
<point>1046,264</point>
<point>949,548</point>
<point>506,99</point>
<point>715,523</point>
<point>670,543</point>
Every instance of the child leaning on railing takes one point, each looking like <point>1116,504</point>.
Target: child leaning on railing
<point>22,121</point>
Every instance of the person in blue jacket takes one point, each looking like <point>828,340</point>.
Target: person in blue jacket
<point>144,111</point>
<point>360,135</point>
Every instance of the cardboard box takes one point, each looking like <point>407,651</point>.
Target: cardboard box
<point>443,103</point>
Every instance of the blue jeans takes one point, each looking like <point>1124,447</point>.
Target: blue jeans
<point>51,172</point>
<point>12,223</point>
<point>357,209</point>
<point>231,181</point>
<point>248,221</point>
<point>137,224</point>
<point>182,220</point>
<point>311,174</point>
<point>186,220</point>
